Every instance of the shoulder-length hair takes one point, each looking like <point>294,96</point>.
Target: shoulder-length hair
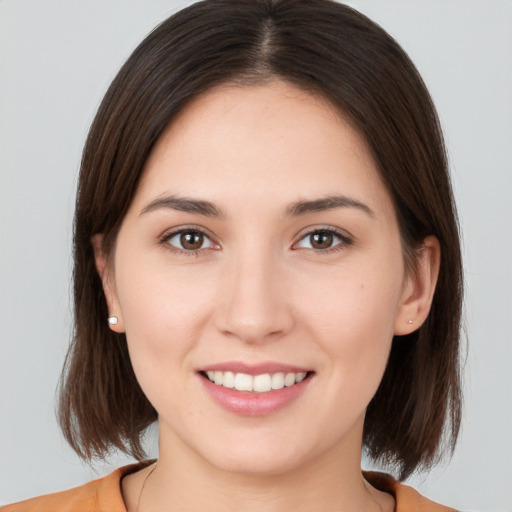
<point>330,50</point>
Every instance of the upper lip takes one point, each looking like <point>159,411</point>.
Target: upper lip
<point>253,368</point>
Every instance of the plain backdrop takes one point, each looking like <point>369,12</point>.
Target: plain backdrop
<point>57,58</point>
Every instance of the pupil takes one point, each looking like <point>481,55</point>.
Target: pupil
<point>191,240</point>
<point>321,240</point>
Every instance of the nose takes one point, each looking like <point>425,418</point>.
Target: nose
<point>253,303</point>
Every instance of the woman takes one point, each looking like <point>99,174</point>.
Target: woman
<point>267,262</point>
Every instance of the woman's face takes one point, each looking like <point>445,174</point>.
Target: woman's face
<point>260,246</point>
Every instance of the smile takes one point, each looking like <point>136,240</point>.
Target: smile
<point>255,390</point>
<point>255,383</point>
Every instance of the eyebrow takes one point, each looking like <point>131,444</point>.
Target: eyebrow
<point>326,203</point>
<point>208,209</point>
<point>184,204</point>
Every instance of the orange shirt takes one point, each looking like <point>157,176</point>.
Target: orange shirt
<point>104,495</point>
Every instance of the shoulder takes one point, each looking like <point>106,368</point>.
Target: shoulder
<point>407,499</point>
<point>101,495</point>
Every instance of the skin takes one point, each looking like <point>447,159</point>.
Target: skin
<point>259,290</point>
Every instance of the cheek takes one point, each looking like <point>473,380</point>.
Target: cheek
<point>351,313</point>
<point>164,309</point>
<point>354,299</point>
<point>164,314</point>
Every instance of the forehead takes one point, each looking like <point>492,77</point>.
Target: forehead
<point>274,140</point>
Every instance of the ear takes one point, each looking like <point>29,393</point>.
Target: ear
<point>419,288</point>
<point>103,266</point>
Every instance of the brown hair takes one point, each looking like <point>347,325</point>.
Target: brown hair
<point>323,47</point>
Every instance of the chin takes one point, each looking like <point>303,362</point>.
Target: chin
<point>257,466</point>
<point>258,457</point>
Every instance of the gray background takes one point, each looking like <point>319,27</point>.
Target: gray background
<point>57,58</point>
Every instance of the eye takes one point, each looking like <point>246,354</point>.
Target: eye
<point>190,240</point>
<point>323,240</point>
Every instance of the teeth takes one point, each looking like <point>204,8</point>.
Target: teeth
<point>243,382</point>
<point>289,379</point>
<point>228,381</point>
<point>262,383</point>
<point>258,383</point>
<point>278,381</point>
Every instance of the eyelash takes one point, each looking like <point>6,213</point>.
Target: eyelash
<point>165,240</point>
<point>346,240</point>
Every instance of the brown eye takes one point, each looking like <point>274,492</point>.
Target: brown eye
<point>192,240</point>
<point>189,241</point>
<point>321,240</point>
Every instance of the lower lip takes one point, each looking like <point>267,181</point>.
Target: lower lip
<point>247,403</point>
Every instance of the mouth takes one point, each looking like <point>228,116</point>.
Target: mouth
<point>255,390</point>
<point>260,383</point>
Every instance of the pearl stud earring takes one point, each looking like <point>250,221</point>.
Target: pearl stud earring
<point>112,320</point>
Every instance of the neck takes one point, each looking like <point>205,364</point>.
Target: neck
<point>328,482</point>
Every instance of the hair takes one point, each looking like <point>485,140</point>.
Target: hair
<point>330,50</point>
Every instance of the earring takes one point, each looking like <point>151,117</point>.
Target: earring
<point>112,320</point>
<point>408,321</point>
